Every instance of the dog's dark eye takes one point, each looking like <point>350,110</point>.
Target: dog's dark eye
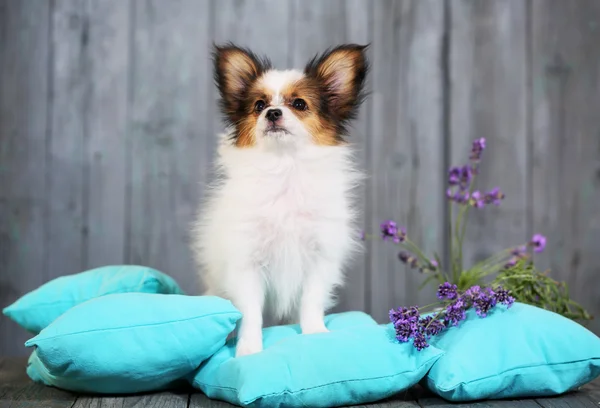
<point>259,106</point>
<point>299,104</point>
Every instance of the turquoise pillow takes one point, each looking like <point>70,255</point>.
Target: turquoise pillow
<point>130,342</point>
<point>519,352</point>
<point>358,361</point>
<point>38,308</point>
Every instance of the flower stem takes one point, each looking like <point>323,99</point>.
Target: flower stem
<point>464,218</point>
<point>492,260</point>
<point>415,249</point>
<point>450,238</point>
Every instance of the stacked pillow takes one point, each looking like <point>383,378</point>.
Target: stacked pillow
<point>130,342</point>
<point>37,309</point>
<point>357,362</point>
<point>130,329</point>
<point>521,352</point>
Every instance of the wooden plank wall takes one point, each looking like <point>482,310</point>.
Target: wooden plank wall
<point>108,118</point>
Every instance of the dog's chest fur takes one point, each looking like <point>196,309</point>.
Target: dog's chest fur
<point>284,212</point>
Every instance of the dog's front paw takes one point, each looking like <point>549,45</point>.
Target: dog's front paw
<point>314,328</point>
<point>246,346</point>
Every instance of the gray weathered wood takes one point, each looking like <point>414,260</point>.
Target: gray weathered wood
<point>18,391</point>
<point>578,400</point>
<point>169,141</point>
<point>67,141</point>
<point>261,25</point>
<point>202,401</point>
<point>566,143</point>
<point>403,399</point>
<point>24,92</point>
<point>488,98</point>
<point>108,123</point>
<point>88,140</point>
<point>165,399</point>
<point>406,144</point>
<point>440,403</point>
<point>426,398</point>
<point>109,27</point>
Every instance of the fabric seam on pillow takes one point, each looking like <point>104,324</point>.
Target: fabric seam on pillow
<point>509,371</point>
<point>139,325</point>
<point>63,302</point>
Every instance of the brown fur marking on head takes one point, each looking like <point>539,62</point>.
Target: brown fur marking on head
<point>341,74</point>
<point>321,129</point>
<point>235,70</point>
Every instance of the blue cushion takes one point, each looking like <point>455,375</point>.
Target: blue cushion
<point>523,351</point>
<point>37,309</point>
<point>130,342</point>
<point>358,361</point>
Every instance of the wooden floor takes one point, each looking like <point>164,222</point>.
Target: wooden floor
<point>18,391</point>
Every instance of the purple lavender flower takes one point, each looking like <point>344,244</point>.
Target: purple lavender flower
<point>494,196</point>
<point>412,313</point>
<point>431,327</point>
<point>511,262</point>
<point>519,251</point>
<point>410,325</point>
<point>466,174</point>
<point>388,229</point>
<point>405,313</point>
<point>396,314</point>
<point>461,197</point>
<point>447,291</point>
<point>477,200</point>
<point>454,176</point>
<point>484,302</point>
<point>477,148</point>
<point>538,241</point>
<point>433,264</point>
<point>405,329</point>
<point>455,313</point>
<point>503,296</point>
<point>400,235</point>
<point>419,341</point>
<point>472,292</point>
<point>408,259</point>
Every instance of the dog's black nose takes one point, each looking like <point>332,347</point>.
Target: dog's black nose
<point>273,115</point>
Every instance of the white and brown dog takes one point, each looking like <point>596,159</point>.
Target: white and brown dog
<point>278,226</point>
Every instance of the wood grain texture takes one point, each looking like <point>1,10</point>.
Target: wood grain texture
<point>24,92</point>
<point>169,141</point>
<point>578,400</point>
<point>68,139</point>
<point>106,154</point>
<point>440,403</point>
<point>108,124</point>
<point>202,401</point>
<point>87,144</point>
<point>566,143</point>
<point>488,98</point>
<point>18,391</point>
<point>165,399</point>
<point>406,139</point>
<point>314,30</point>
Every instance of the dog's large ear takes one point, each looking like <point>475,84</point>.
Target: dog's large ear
<point>235,69</point>
<point>341,73</point>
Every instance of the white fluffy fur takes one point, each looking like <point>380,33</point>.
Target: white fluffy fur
<point>278,226</point>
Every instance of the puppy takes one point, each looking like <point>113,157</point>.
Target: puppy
<point>278,227</point>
